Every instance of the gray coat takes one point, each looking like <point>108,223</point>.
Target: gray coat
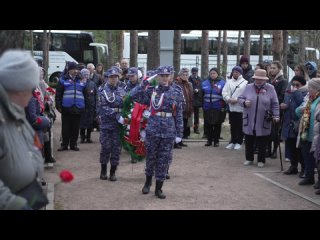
<point>20,162</point>
<point>255,116</point>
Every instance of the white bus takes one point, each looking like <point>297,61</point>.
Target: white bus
<point>68,45</point>
<point>191,49</point>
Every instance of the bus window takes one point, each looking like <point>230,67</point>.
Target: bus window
<point>191,46</point>
<point>66,45</point>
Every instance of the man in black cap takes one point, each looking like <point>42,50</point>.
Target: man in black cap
<point>70,102</point>
<point>197,99</point>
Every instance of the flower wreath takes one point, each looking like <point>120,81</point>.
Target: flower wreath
<point>132,133</point>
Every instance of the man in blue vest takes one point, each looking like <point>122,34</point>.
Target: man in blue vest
<point>70,102</point>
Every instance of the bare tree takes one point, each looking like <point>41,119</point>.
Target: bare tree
<point>11,39</point>
<point>110,60</point>
<point>205,53</point>
<point>285,37</point>
<point>225,54</point>
<point>176,51</point>
<point>261,46</point>
<point>153,49</point>
<point>134,48</point>
<point>239,47</point>
<point>302,51</point>
<point>219,51</point>
<point>246,46</point>
<point>277,45</point>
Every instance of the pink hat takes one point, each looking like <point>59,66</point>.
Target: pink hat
<point>260,74</point>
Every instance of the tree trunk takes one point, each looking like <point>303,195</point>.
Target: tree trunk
<point>153,49</point>
<point>225,55</point>
<point>204,53</point>
<point>277,45</point>
<point>110,60</point>
<point>45,52</point>
<point>134,48</point>
<point>261,46</point>
<point>120,44</point>
<point>285,53</point>
<point>176,51</point>
<point>246,48</point>
<point>239,47</point>
<point>11,39</point>
<point>219,51</point>
<point>302,51</point>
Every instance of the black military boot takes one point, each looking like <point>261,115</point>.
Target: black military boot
<point>103,174</point>
<point>158,191</point>
<point>113,177</point>
<point>147,185</point>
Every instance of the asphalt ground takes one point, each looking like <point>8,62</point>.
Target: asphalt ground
<point>204,178</point>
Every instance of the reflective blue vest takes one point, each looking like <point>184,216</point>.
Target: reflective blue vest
<point>213,94</point>
<point>73,93</point>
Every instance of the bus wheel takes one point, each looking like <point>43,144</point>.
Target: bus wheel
<point>54,78</point>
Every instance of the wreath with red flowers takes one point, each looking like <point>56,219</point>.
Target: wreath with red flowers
<point>132,132</point>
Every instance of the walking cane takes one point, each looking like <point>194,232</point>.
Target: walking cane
<point>279,143</point>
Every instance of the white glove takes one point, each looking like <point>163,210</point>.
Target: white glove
<point>121,120</point>
<point>152,77</point>
<point>178,139</point>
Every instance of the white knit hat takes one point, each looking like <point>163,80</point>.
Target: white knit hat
<point>18,71</point>
<point>314,83</point>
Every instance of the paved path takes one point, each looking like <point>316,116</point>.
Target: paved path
<point>202,178</point>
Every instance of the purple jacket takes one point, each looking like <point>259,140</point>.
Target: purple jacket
<point>255,116</point>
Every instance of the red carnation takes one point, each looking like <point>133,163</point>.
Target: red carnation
<point>38,120</point>
<point>51,90</point>
<point>66,176</point>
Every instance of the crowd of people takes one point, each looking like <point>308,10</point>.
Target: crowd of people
<point>263,109</point>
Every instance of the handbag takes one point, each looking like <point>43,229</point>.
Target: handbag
<point>34,194</point>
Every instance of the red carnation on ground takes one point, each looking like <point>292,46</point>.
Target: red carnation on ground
<point>66,176</point>
<point>38,120</point>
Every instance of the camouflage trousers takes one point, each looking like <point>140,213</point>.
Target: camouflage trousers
<point>110,146</point>
<point>159,153</point>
